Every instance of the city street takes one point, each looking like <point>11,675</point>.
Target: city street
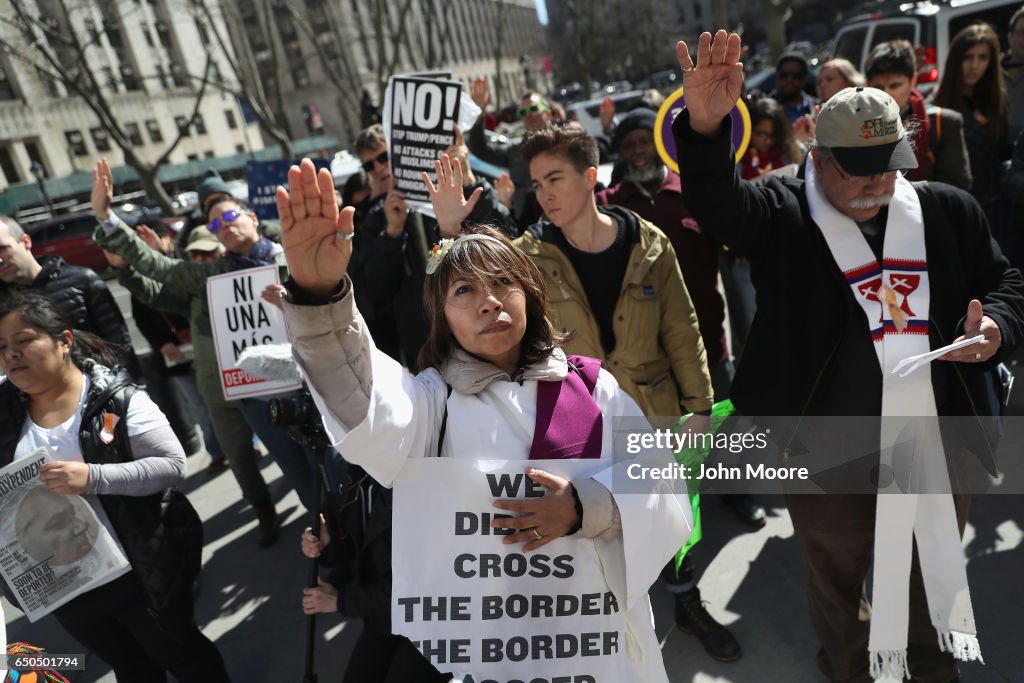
<point>248,602</point>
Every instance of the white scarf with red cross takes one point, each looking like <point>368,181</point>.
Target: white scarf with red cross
<point>914,500</point>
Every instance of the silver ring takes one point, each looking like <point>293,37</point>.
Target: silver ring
<point>689,69</point>
<point>977,356</point>
<point>345,235</point>
<point>536,534</point>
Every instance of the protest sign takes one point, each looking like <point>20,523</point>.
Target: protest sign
<point>421,115</point>
<point>240,319</point>
<point>471,603</point>
<point>674,104</point>
<point>53,548</point>
<point>264,177</point>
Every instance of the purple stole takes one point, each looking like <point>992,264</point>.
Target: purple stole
<point>569,423</point>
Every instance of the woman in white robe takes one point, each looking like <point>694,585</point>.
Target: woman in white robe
<point>485,345</point>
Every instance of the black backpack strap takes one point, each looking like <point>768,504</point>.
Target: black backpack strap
<point>444,421</point>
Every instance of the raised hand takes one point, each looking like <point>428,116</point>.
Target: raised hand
<point>450,204</point>
<point>396,211</point>
<point>150,237</point>
<point>505,188</point>
<point>714,83</point>
<point>480,94</point>
<point>460,152</point>
<point>102,190</point>
<point>607,114</point>
<point>317,239</point>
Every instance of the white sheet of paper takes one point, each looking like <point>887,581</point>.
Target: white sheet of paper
<point>922,358</point>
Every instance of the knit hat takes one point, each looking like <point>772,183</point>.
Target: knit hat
<point>638,119</point>
<point>864,131</point>
<point>211,184</point>
<point>201,239</point>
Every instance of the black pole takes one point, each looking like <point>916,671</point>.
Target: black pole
<point>314,564</point>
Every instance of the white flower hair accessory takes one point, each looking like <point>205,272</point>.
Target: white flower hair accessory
<point>437,254</point>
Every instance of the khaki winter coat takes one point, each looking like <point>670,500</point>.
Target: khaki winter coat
<point>659,358</point>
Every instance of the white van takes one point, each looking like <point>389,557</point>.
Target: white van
<point>928,25</point>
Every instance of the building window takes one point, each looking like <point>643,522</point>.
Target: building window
<point>182,125</point>
<point>7,166</point>
<point>161,76</point>
<point>148,35</point>
<point>76,142</point>
<point>200,125</point>
<point>134,134</point>
<point>6,87</point>
<point>193,157</point>
<point>100,139</point>
<point>153,128</point>
<point>229,116</point>
<point>209,154</point>
<point>203,35</point>
<point>240,149</point>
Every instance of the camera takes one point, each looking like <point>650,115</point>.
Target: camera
<point>293,411</point>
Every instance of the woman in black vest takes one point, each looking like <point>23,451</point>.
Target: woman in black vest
<point>111,446</point>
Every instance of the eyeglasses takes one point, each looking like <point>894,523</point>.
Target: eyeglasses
<point>381,159</point>
<point>790,74</point>
<point>534,108</point>
<point>229,216</point>
<point>861,179</point>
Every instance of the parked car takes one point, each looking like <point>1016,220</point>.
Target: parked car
<point>929,26</point>
<point>69,237</point>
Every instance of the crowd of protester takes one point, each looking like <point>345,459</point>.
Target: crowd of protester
<point>638,276</point>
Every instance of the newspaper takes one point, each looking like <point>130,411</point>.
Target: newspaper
<point>53,547</point>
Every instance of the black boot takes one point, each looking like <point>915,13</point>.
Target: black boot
<point>267,517</point>
<point>746,508</point>
<point>693,619</point>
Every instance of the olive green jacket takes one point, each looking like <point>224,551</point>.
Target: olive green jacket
<point>174,286</point>
<point>658,350</point>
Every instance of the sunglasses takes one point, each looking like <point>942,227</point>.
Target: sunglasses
<point>535,108</point>
<point>381,158</point>
<point>229,216</point>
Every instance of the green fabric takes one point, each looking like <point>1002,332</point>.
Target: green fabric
<point>692,457</point>
<point>173,285</point>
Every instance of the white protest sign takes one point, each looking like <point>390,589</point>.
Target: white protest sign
<point>240,319</point>
<point>471,603</point>
<point>421,116</point>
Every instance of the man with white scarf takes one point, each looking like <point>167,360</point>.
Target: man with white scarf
<point>856,269</point>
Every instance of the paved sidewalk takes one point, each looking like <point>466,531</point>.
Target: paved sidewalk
<point>249,599</point>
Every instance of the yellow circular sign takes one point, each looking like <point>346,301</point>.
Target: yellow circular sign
<point>666,144</point>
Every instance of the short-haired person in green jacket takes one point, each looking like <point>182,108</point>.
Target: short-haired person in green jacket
<point>180,286</point>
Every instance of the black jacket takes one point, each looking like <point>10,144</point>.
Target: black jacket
<point>388,272</point>
<point>808,352</point>
<point>84,297</point>
<point>359,553</point>
<point>165,554</point>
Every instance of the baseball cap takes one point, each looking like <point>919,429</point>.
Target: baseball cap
<point>863,128</point>
<point>201,239</point>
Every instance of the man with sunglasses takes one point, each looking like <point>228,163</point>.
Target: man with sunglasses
<point>856,268</point>
<point>535,113</point>
<point>175,285</point>
<point>790,80</point>
<point>390,247</point>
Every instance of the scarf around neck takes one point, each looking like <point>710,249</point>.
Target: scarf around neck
<point>895,297</point>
